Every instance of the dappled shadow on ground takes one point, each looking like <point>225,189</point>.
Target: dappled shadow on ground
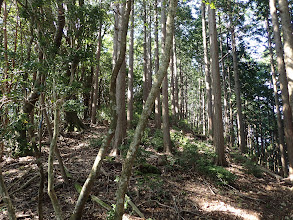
<point>176,193</point>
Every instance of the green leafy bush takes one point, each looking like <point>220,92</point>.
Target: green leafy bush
<point>217,173</point>
<point>251,168</point>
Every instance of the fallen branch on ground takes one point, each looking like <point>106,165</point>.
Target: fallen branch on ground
<point>26,184</point>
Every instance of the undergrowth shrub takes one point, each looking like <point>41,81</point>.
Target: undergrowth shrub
<point>96,142</point>
<point>249,165</point>
<point>200,156</point>
<point>252,168</point>
<point>141,154</point>
<point>217,173</point>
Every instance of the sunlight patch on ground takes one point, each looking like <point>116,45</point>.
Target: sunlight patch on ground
<point>217,206</point>
<point>80,146</point>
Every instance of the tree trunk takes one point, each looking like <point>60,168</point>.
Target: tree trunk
<point>130,73</point>
<point>145,55</point>
<point>224,85</point>
<point>53,145</point>
<point>288,124</point>
<point>96,78</point>
<point>181,92</point>
<point>207,74</point>
<point>279,120</point>
<point>77,213</point>
<point>128,163</point>
<point>287,30</point>
<point>149,49</point>
<point>218,136</point>
<point>175,79</point>
<point>172,84</point>
<point>240,123</point>
<point>120,130</point>
<point>165,103</point>
<point>158,111</point>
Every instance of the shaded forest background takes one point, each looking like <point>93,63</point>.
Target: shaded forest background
<point>150,73</point>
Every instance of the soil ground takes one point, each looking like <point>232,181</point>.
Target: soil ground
<point>175,193</point>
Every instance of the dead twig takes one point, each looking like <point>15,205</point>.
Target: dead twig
<point>17,181</point>
<point>26,184</point>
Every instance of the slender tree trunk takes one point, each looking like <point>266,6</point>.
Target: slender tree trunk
<point>165,105</point>
<point>149,49</point>
<point>203,107</point>
<point>287,30</point>
<point>120,130</point>
<point>53,145</point>
<point>96,77</point>
<point>172,83</point>
<point>288,124</point>
<point>128,163</point>
<point>158,111</point>
<point>130,72</point>
<point>181,92</point>
<point>240,123</point>
<point>217,120</point>
<point>224,85</point>
<point>279,120</point>
<point>77,213</point>
<point>186,98</point>
<point>3,190</point>
<point>207,74</point>
<point>176,91</point>
<point>230,104</point>
<point>145,55</point>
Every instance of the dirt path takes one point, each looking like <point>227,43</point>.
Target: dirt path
<point>176,193</point>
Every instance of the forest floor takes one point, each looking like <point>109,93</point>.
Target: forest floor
<point>183,186</point>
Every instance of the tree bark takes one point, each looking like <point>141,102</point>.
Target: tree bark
<point>120,130</point>
<point>224,86</point>
<point>165,103</point>
<point>176,90</point>
<point>278,113</point>
<point>158,110</point>
<point>207,74</point>
<point>53,145</point>
<point>218,136</point>
<point>130,73</point>
<point>240,123</point>
<point>287,30</point>
<point>149,49</point>
<point>96,78</point>
<point>288,125</point>
<point>145,54</point>
<point>128,163</point>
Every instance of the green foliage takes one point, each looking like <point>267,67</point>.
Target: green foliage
<point>249,165</point>
<point>199,156</point>
<point>252,168</point>
<point>146,168</point>
<point>152,183</point>
<point>96,142</point>
<point>141,154</point>
<point>104,113</point>
<point>111,213</point>
<point>155,140</point>
<point>73,106</point>
<point>216,173</point>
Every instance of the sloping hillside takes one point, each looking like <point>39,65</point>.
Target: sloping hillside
<point>185,185</point>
